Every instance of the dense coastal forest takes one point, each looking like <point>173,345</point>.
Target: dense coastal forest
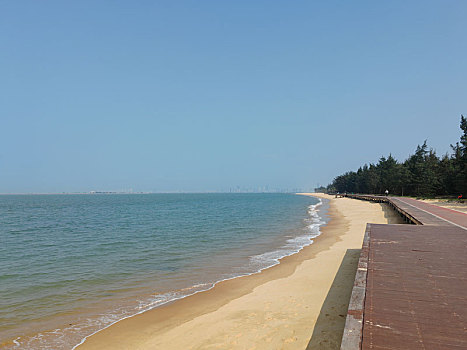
<point>421,174</point>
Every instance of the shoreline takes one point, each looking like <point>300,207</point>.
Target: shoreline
<point>276,307</point>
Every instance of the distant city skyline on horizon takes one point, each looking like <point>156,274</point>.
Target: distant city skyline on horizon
<point>130,191</point>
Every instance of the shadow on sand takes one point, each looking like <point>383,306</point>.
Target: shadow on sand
<point>330,324</point>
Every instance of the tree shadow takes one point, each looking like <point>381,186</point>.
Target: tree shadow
<point>329,327</point>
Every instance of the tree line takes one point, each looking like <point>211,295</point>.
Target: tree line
<point>421,174</point>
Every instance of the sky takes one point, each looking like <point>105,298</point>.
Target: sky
<point>211,95</point>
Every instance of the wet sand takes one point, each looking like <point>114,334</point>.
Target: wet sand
<point>300,303</point>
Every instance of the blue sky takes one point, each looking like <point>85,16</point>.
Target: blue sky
<point>210,95</point>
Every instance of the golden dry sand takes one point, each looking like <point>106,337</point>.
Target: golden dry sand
<point>299,304</point>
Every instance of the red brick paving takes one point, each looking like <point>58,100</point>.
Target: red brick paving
<point>416,292</point>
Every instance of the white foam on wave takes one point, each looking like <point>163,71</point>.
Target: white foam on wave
<point>294,244</point>
<point>160,299</point>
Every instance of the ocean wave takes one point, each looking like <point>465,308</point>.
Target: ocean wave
<point>294,244</point>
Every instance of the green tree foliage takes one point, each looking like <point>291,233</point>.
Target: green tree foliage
<point>422,174</point>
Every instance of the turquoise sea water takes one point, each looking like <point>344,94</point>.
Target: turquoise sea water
<point>71,265</point>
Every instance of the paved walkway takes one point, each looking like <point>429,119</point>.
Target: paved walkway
<point>416,296</point>
<point>410,290</point>
<point>433,214</point>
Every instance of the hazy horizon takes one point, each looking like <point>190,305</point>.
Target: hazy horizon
<point>233,191</point>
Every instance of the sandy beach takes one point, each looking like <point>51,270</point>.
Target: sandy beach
<point>300,303</point>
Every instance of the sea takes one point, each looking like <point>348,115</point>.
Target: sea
<point>71,265</point>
